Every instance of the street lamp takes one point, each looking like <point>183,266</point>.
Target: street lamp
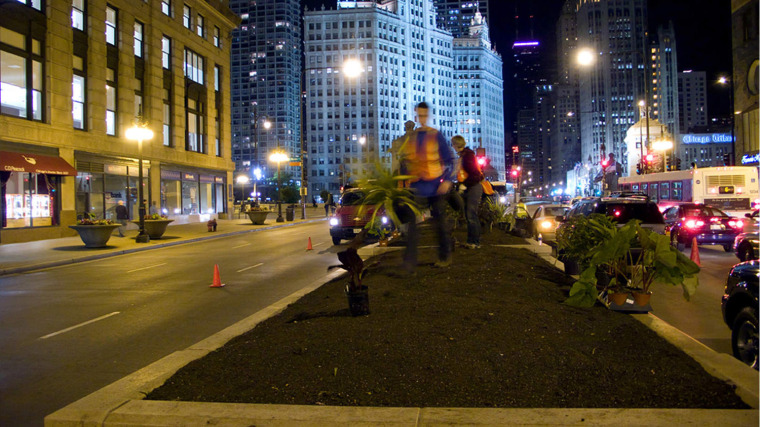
<point>242,180</point>
<point>278,156</point>
<point>586,57</point>
<point>139,132</point>
<point>257,175</point>
<point>723,80</point>
<point>663,145</point>
<point>352,68</point>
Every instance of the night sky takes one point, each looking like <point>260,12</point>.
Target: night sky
<point>703,34</point>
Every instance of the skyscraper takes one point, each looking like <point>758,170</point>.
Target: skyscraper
<point>665,81</point>
<point>692,101</point>
<point>456,15</point>
<point>611,87</point>
<point>266,71</point>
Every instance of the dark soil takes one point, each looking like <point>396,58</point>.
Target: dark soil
<point>491,331</point>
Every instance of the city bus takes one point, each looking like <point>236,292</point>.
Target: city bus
<point>732,189</point>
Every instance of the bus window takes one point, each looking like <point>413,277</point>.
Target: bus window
<point>635,187</point>
<point>653,191</point>
<point>665,191</point>
<point>677,190</point>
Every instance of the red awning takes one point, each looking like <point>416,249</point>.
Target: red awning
<point>34,163</point>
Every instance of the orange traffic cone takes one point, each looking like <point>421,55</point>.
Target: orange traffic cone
<point>695,252</point>
<point>217,281</point>
<point>308,245</point>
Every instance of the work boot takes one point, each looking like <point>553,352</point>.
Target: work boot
<point>442,263</point>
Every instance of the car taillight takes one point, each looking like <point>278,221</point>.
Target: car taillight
<point>694,223</point>
<point>736,224</point>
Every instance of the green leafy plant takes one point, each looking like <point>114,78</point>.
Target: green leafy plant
<point>258,209</point>
<point>383,193</point>
<point>636,258</point>
<point>491,213</point>
<point>377,229</point>
<point>577,236</point>
<point>90,220</point>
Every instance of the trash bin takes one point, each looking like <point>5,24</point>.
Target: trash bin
<point>290,213</point>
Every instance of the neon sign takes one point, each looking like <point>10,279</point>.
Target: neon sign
<point>706,138</point>
<point>750,158</point>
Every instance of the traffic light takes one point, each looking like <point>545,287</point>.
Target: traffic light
<point>604,163</point>
<point>726,159</point>
<point>678,163</point>
<point>650,159</point>
<point>639,169</point>
<point>515,173</point>
<point>482,161</point>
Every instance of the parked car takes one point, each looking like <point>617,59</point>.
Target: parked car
<point>751,223</point>
<point>746,246</point>
<point>545,221</point>
<point>739,306</point>
<point>621,208</point>
<point>346,223</point>
<point>709,225</point>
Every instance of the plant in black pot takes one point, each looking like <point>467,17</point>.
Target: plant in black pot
<point>358,295</point>
<point>384,194</point>
<point>577,236</point>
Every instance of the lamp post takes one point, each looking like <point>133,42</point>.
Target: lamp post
<point>723,80</point>
<point>278,156</point>
<point>139,132</point>
<point>242,180</point>
<point>257,176</point>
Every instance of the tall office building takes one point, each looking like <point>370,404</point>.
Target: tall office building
<point>664,70</point>
<point>692,100</point>
<point>266,71</point>
<point>404,59</point>
<point>611,87</point>
<point>75,78</point>
<point>479,105</point>
<point>456,15</point>
<point>526,56</point>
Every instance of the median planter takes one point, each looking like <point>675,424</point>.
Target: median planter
<point>155,228</point>
<point>258,217</point>
<point>95,236</point>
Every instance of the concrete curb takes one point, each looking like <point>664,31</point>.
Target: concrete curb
<point>58,263</point>
<point>121,404</point>
<point>720,365</point>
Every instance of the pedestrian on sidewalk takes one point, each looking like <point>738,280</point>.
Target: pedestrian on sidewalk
<point>426,156</point>
<point>328,203</point>
<point>122,216</point>
<point>470,175</point>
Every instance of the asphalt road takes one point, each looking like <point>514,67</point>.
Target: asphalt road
<point>701,318</point>
<point>71,330</point>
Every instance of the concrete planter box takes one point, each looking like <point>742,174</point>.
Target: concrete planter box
<point>258,217</point>
<point>155,228</point>
<point>95,236</point>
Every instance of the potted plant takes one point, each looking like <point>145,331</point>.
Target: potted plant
<point>379,230</point>
<point>357,294</point>
<point>94,232</point>
<point>491,213</point>
<point>383,193</point>
<point>155,225</point>
<point>636,258</point>
<point>577,236</point>
<point>258,214</point>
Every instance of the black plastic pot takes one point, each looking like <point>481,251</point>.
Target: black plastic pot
<point>358,301</point>
<point>571,266</point>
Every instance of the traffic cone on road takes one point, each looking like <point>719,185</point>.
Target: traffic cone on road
<point>217,281</point>
<point>695,252</point>
<point>308,245</point>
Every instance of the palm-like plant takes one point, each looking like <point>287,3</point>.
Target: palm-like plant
<point>385,192</point>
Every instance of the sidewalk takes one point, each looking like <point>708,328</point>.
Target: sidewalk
<point>21,257</point>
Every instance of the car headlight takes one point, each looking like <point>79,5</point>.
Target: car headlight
<point>334,222</point>
<point>384,220</point>
<point>502,199</point>
<point>547,225</point>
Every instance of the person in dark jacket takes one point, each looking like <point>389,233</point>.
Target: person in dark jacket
<point>470,175</point>
<point>122,216</point>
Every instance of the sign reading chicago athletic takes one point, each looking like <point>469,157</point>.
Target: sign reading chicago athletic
<point>17,162</point>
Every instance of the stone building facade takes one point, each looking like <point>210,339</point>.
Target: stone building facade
<point>75,76</point>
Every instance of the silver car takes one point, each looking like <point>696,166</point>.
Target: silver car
<point>544,223</point>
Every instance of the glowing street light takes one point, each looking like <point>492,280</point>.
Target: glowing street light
<point>242,180</point>
<point>352,68</point>
<point>140,132</point>
<point>278,156</point>
<point>586,57</point>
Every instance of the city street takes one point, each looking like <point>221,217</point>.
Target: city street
<point>68,331</point>
<point>701,318</point>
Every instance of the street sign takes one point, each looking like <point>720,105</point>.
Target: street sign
<point>295,163</point>
<point>304,191</point>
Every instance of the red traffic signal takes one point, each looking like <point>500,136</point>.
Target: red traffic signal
<point>482,161</point>
<point>650,158</point>
<point>515,173</point>
<point>604,163</point>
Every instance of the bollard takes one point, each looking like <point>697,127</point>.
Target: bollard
<point>211,225</point>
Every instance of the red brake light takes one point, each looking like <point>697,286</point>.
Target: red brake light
<point>694,223</point>
<point>736,224</point>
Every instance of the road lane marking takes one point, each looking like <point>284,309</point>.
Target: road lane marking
<point>145,268</point>
<point>63,331</point>
<point>248,268</point>
<point>317,244</point>
<point>240,246</point>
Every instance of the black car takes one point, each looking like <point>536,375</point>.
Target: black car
<point>622,208</point>
<point>746,246</point>
<point>709,225</point>
<point>739,306</point>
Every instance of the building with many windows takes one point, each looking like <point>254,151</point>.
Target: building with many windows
<point>75,75</point>
<point>664,92</point>
<point>266,71</point>
<point>692,100</point>
<point>403,60</point>
<point>456,16</point>
<point>745,81</point>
